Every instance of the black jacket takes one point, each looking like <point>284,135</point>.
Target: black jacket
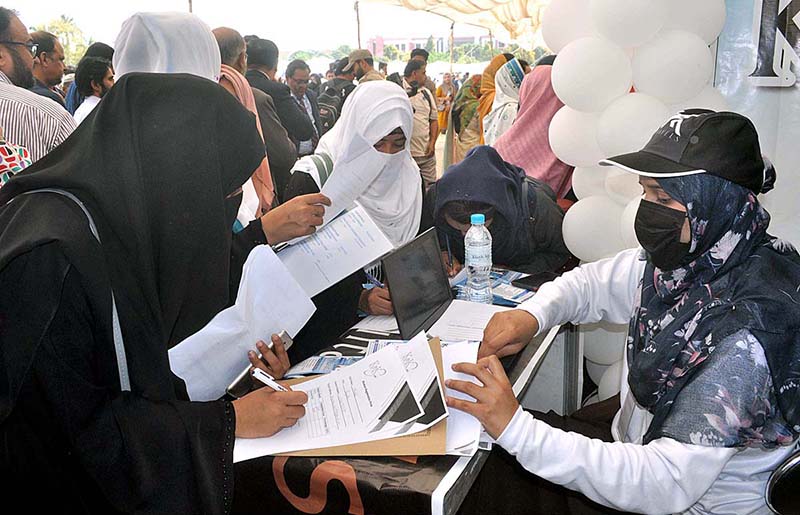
<point>293,119</point>
<point>281,150</point>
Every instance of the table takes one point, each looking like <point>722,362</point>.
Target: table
<point>429,484</point>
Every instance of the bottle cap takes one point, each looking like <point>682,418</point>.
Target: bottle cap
<point>477,219</point>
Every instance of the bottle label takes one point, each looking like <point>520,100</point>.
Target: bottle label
<point>480,254</point>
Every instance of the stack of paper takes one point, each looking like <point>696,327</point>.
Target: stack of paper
<point>464,321</point>
<point>463,430</point>
<point>504,293</point>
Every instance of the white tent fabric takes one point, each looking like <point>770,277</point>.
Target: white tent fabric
<point>520,18</point>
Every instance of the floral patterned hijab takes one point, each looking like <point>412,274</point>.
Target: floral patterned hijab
<point>735,277</point>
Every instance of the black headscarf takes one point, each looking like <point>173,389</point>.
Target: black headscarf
<point>484,177</point>
<point>153,164</point>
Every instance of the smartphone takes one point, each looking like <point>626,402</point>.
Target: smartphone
<point>242,385</point>
<point>533,282</point>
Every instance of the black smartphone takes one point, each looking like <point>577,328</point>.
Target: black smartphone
<point>533,282</point>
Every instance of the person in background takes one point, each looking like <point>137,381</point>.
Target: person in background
<point>360,62</point>
<point>281,151</point>
<point>506,101</point>
<point>488,87</point>
<point>48,66</point>
<point>426,120</point>
<point>29,120</point>
<point>262,66</point>
<point>709,399</point>
<point>314,82</point>
<point>234,61</point>
<point>526,66</point>
<point>73,97</point>
<point>383,69</point>
<point>94,77</point>
<point>329,75</point>
<point>342,80</point>
<point>444,98</point>
<point>527,144</point>
<point>378,113</point>
<point>464,134</point>
<point>422,55</point>
<point>297,77</point>
<point>521,214</point>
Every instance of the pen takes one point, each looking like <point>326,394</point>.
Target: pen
<point>449,252</point>
<point>268,380</point>
<point>374,280</point>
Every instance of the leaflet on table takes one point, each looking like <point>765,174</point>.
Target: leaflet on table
<point>464,321</point>
<point>269,301</point>
<point>503,291</point>
<point>354,404</point>
<point>351,175</point>
<point>380,323</point>
<point>346,244</point>
<point>463,430</point>
<point>316,365</point>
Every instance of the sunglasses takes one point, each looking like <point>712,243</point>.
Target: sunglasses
<point>32,47</point>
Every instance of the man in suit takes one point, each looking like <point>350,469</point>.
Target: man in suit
<point>297,77</point>
<point>262,65</point>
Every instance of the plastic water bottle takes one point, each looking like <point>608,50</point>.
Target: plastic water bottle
<point>478,254</point>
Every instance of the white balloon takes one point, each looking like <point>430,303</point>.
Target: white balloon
<point>604,343</point>
<point>573,137</point>
<point>622,186</point>
<point>706,18</point>
<point>629,122</point>
<point>588,181</point>
<point>610,382</point>
<point>591,228</point>
<point>627,224</point>
<point>628,23</point>
<point>595,370</point>
<point>673,67</point>
<point>709,98</point>
<point>590,73</point>
<point>564,21</point>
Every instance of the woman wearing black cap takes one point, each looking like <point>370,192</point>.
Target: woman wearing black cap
<point>710,402</point>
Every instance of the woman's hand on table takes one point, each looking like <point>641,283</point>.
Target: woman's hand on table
<point>297,217</point>
<point>376,301</point>
<point>264,412</point>
<point>274,362</point>
<point>495,402</point>
<point>507,333</point>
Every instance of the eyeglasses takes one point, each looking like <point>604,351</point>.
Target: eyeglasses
<point>32,47</point>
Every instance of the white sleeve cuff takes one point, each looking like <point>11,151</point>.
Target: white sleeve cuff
<point>513,437</point>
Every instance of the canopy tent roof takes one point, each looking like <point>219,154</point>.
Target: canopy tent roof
<point>520,18</point>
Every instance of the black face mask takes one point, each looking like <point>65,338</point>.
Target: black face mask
<point>658,229</point>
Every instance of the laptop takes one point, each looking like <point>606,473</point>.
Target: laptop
<point>418,284</point>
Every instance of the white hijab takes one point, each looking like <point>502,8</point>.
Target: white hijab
<point>506,101</point>
<point>175,42</point>
<point>394,198</point>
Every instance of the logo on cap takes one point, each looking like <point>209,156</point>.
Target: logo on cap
<point>676,122</point>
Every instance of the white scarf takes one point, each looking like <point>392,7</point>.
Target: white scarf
<point>506,102</point>
<point>371,112</point>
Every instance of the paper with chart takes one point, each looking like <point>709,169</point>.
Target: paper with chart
<point>348,243</point>
<point>464,321</point>
<point>269,300</point>
<point>355,404</point>
<point>463,430</point>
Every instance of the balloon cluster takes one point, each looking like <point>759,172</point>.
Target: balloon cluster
<point>623,68</point>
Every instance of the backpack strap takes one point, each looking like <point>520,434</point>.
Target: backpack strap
<point>119,344</point>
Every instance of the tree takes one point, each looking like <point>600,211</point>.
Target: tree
<point>429,46</point>
<point>70,36</point>
<point>341,51</point>
<point>391,53</point>
<point>304,55</point>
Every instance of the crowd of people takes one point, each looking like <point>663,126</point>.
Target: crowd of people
<point>131,198</point>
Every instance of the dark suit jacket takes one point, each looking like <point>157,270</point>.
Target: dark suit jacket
<point>293,119</point>
<point>41,89</point>
<point>281,150</point>
<point>312,97</point>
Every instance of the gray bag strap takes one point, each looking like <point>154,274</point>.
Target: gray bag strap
<point>119,346</point>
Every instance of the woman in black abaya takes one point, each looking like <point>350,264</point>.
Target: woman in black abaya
<point>159,166</point>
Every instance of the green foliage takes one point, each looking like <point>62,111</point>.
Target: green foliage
<point>70,36</point>
<point>429,45</point>
<point>391,53</point>
<point>306,55</point>
<point>341,51</point>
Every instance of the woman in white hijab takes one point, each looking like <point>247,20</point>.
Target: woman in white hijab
<point>373,133</point>
<point>506,101</point>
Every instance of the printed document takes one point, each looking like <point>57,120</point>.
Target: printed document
<point>464,321</point>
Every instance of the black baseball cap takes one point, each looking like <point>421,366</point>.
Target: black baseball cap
<point>698,141</point>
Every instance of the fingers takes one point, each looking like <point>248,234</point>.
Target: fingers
<point>462,405</point>
<point>272,360</point>
<point>383,293</point>
<point>280,351</point>
<point>476,370</point>
<point>255,362</point>
<point>316,198</point>
<point>294,412</point>
<point>508,350</point>
<point>291,398</point>
<point>467,387</point>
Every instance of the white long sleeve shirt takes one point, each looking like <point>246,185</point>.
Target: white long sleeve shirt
<point>664,476</point>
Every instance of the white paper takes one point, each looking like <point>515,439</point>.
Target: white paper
<point>464,321</point>
<point>461,276</point>
<point>350,405</point>
<point>380,323</point>
<point>463,430</point>
<point>345,245</point>
<point>269,301</point>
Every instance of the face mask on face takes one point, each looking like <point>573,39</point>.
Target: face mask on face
<point>658,229</point>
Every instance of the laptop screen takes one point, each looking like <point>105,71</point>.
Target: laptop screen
<point>417,283</point>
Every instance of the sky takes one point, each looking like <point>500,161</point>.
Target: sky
<point>292,25</point>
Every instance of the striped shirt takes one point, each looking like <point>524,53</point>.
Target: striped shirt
<point>33,121</point>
